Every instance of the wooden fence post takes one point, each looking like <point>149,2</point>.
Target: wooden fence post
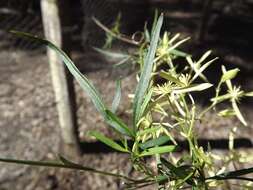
<point>61,78</point>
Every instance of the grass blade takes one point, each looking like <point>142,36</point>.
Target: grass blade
<point>146,73</point>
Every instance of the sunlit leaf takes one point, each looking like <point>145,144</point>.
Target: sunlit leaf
<point>221,98</point>
<point>228,82</point>
<point>148,131</point>
<point>199,72</point>
<point>227,113</point>
<point>203,57</point>
<point>177,44</point>
<point>192,88</point>
<point>228,75</point>
<point>238,113</point>
<point>250,94</point>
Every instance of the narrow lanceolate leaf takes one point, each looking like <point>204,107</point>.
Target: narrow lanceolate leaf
<point>199,72</point>
<point>227,113</point>
<point>232,174</point>
<point>221,98</point>
<point>86,85</point>
<point>154,142</point>
<point>118,124</point>
<point>228,75</point>
<point>146,101</point>
<point>171,78</point>
<point>117,97</point>
<point>250,94</point>
<point>158,150</point>
<point>192,88</point>
<point>146,72</point>
<point>203,58</point>
<point>111,54</point>
<point>195,68</point>
<point>238,113</point>
<point>107,141</point>
<point>179,53</point>
<point>228,82</point>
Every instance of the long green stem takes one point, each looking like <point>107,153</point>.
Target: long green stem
<point>60,165</point>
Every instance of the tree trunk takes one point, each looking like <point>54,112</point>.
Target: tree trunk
<point>61,78</point>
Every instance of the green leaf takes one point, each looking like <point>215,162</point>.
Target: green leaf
<point>182,172</point>
<point>117,97</point>
<point>118,124</point>
<point>228,82</point>
<point>154,142</point>
<point>192,88</point>
<point>203,58</point>
<point>86,85</point>
<point>171,78</point>
<point>148,131</point>
<point>179,53</point>
<point>228,75</point>
<point>107,141</point>
<point>158,150</point>
<point>146,73</point>
<point>221,98</point>
<point>233,175</point>
<point>199,72</point>
<point>227,113</point>
<point>238,113</point>
<point>250,94</point>
<point>146,101</point>
<point>111,54</point>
